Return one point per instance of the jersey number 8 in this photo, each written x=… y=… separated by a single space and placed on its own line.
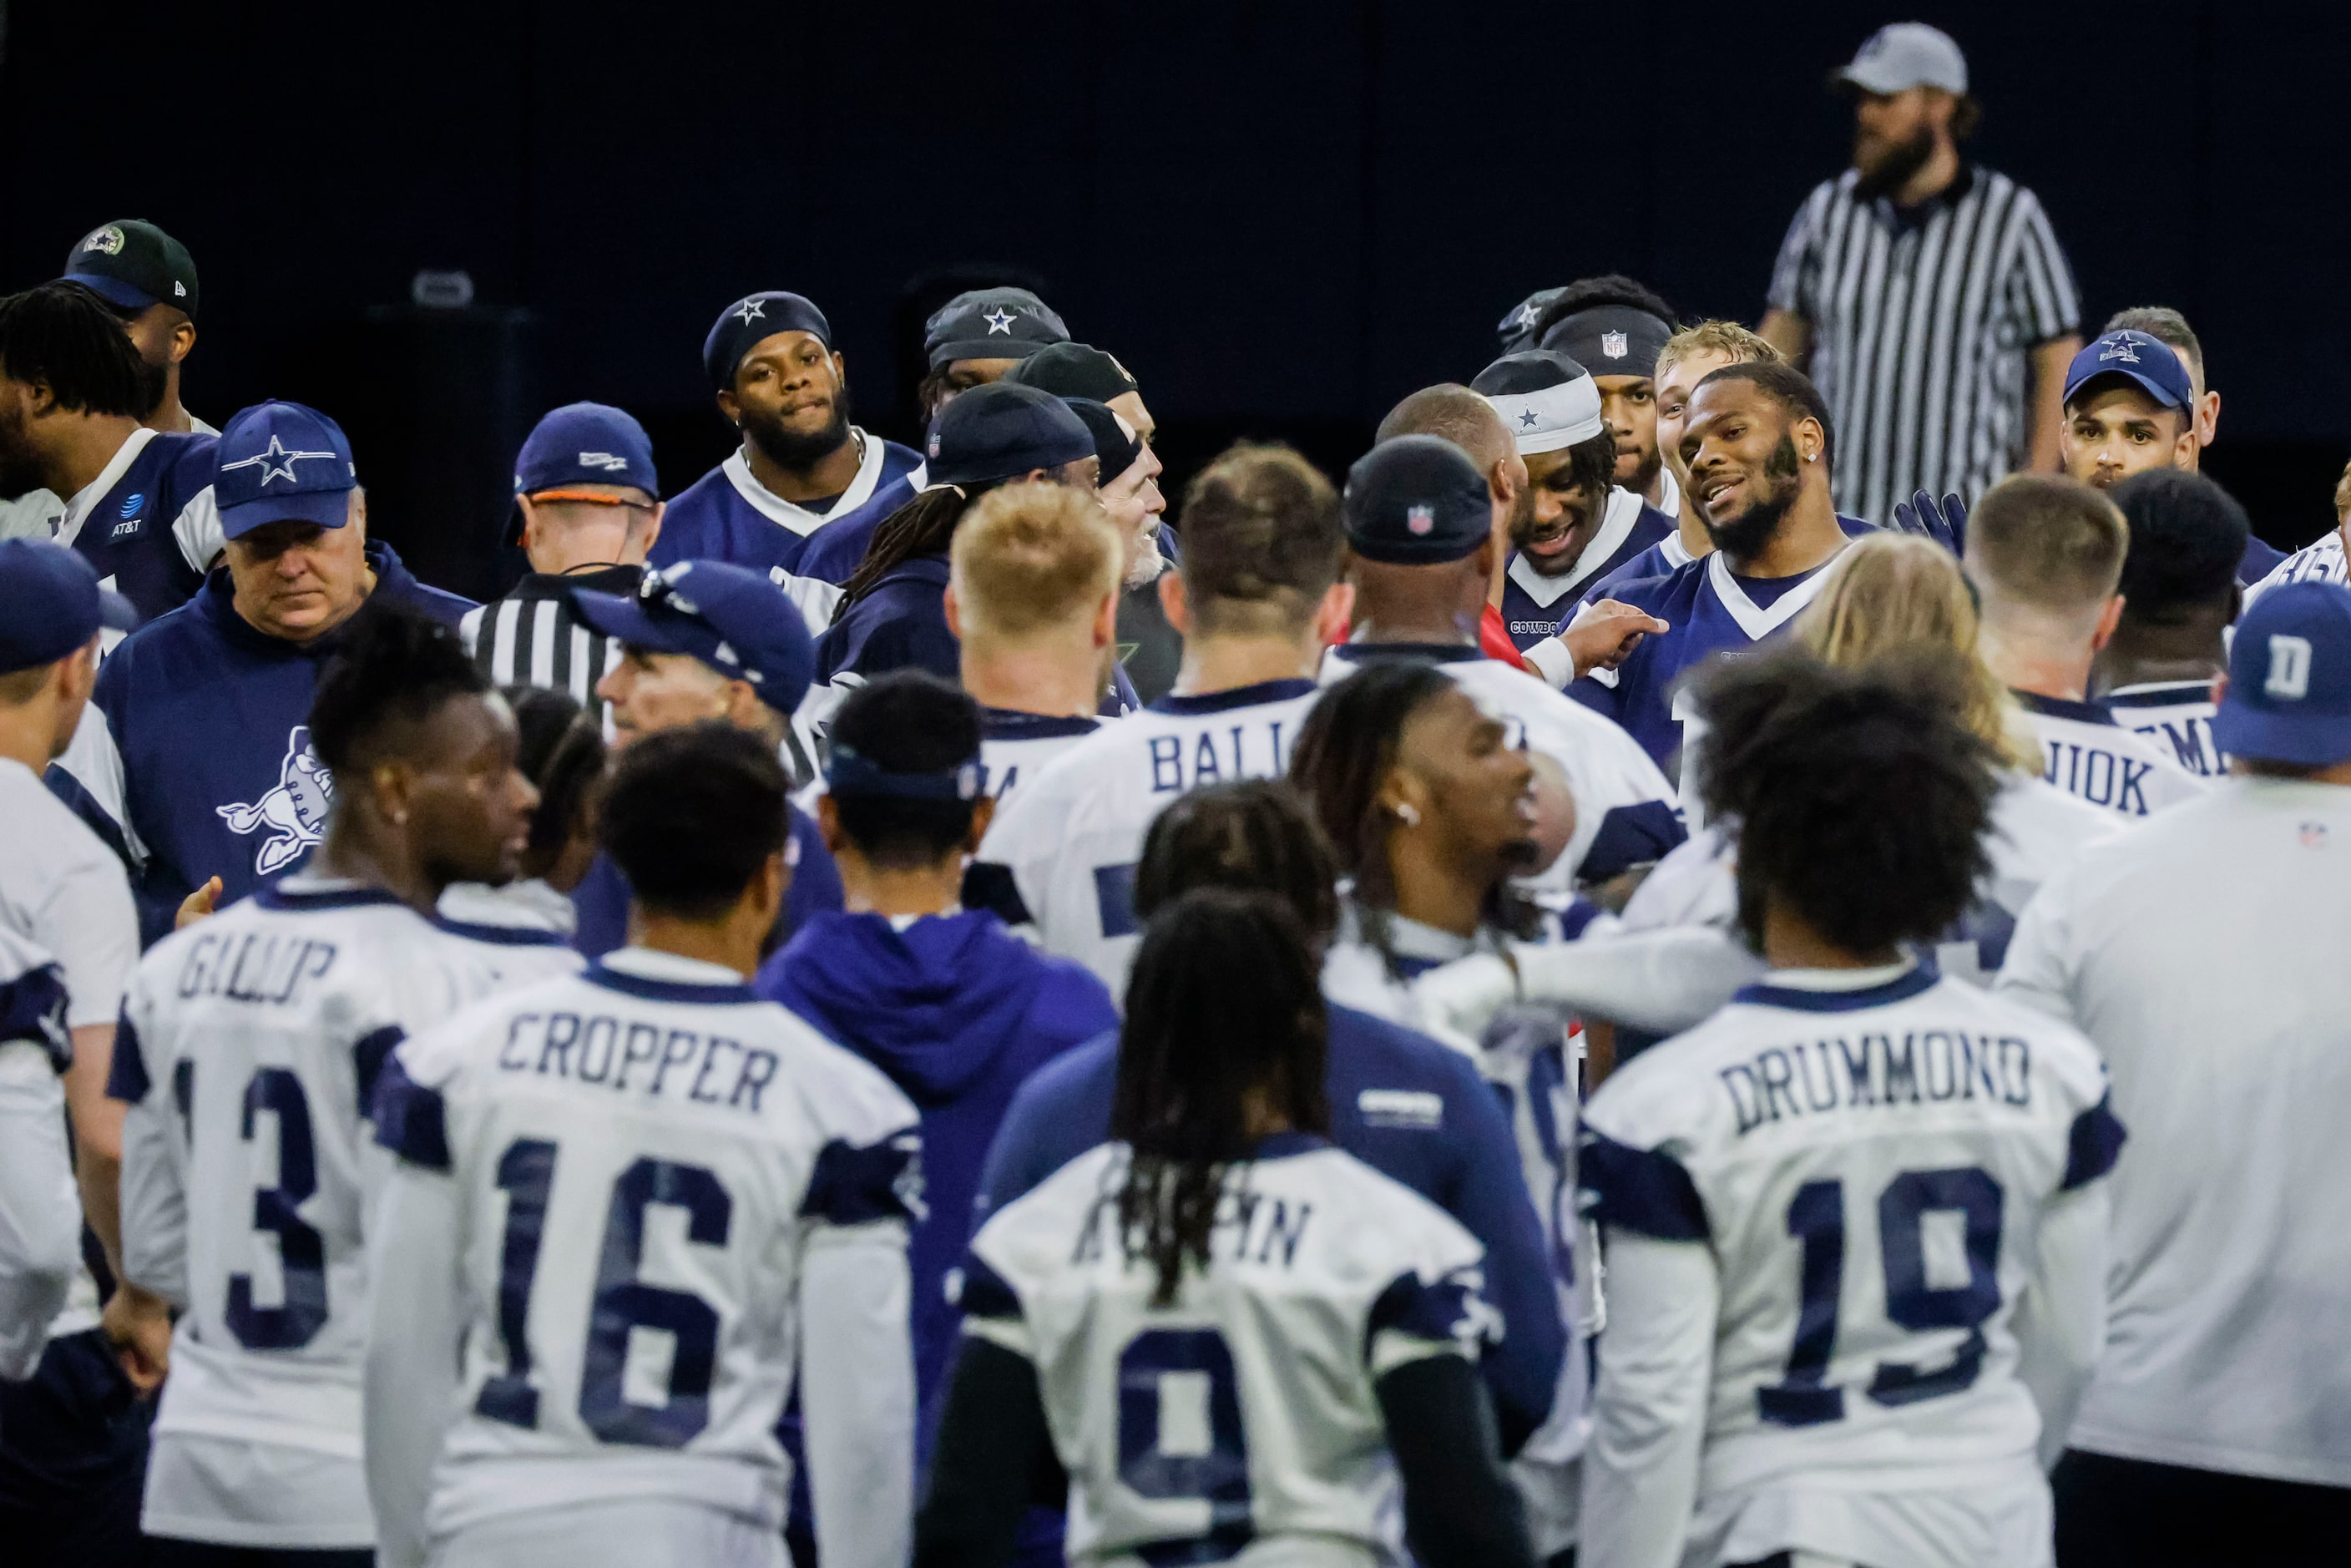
x=1817 y=1219
x=623 y=1303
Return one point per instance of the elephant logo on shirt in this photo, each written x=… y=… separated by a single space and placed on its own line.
x=295 y=811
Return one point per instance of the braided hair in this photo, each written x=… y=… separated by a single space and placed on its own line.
x=1223 y=1016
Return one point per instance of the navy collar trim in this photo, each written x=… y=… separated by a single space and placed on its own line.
x=1282 y=1145
x=503 y=935
x=708 y=995
x=2060 y=708
x=2159 y=694
x=1900 y=988
x=1011 y=724
x=1440 y=652
x=1238 y=697
x=277 y=895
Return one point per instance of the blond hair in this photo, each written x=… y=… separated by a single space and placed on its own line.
x=1728 y=339
x=2049 y=542
x=1889 y=593
x=1031 y=558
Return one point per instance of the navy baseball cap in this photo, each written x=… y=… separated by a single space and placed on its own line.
x=1516 y=330
x=581 y=444
x=1416 y=500
x=133 y=264
x=2146 y=361
x=281 y=460
x=990 y=324
x=1611 y=340
x=752 y=318
x=2289 y=697
x=1117 y=447
x=50 y=604
x=1001 y=432
x=733 y=618
x=1074 y=369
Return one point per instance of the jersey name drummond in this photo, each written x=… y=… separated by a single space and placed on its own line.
x=679 y=1063
x=1182 y=763
x=1922 y=1066
x=255 y=966
x=1250 y=1228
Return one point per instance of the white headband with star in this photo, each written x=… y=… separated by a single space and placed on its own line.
x=1551 y=417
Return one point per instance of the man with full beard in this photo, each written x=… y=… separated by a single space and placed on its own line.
x=802 y=465
x=1938 y=312
x=1758 y=445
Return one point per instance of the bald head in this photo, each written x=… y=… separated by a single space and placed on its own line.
x=1460 y=416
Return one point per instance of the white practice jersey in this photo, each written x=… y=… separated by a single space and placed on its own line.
x=2320 y=562
x=644 y=1166
x=1017 y=746
x=2176 y=718
x=2036 y=829
x=248 y=1054
x=522 y=931
x=1863 y=1162
x=1625 y=810
x=2205 y=954
x=2086 y=753
x=1061 y=853
x=1239 y=1423
x=40 y=1207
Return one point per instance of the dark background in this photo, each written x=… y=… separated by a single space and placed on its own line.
x=1281 y=218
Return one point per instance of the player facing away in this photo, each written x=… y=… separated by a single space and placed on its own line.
x=625 y=1204
x=249 y=1049
x=1257 y=597
x=1854 y=1223
x=1235 y=1338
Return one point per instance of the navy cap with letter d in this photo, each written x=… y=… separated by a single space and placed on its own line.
x=2289 y=697
x=50 y=604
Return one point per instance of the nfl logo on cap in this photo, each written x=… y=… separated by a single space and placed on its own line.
x=1420 y=519
x=1612 y=345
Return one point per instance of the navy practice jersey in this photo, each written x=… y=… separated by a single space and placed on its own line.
x=2260 y=559
x=1413 y=1110
x=147 y=523
x=1666 y=556
x=728 y=515
x=1534 y=606
x=2176 y=717
x=194 y=760
x=1709 y=610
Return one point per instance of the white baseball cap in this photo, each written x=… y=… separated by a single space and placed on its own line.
x=1906 y=55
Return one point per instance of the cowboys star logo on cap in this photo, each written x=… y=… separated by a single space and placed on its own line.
x=107 y=241
x=1612 y=344
x=750 y=311
x=998 y=320
x=2120 y=349
x=1420 y=519
x=276 y=461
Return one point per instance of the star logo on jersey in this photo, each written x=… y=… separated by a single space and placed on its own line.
x=294 y=811
x=750 y=311
x=276 y=460
x=1527 y=419
x=107 y=241
x=1612 y=344
x=1420 y=519
x=998 y=320
x=2121 y=348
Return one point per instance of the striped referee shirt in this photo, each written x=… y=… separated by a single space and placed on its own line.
x=533 y=637
x=1920 y=320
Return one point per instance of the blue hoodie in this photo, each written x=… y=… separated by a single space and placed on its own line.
x=958 y=1011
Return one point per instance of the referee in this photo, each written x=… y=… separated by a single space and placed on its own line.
x=586 y=511
x=1925 y=294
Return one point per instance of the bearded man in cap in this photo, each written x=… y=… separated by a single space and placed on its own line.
x=802 y=469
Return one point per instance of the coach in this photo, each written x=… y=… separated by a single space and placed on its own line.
x=1938 y=313
x=195 y=760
